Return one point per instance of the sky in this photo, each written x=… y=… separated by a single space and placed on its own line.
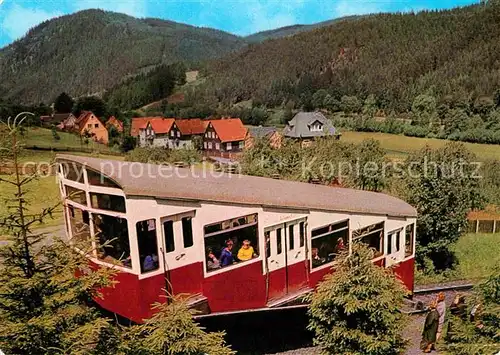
x=241 y=17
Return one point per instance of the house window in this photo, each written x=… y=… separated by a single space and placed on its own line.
x=187 y=232
x=409 y=235
x=228 y=146
x=217 y=146
x=108 y=202
x=328 y=242
x=112 y=236
x=316 y=127
x=241 y=145
x=178 y=134
x=89 y=126
x=96 y=125
x=148 y=245
x=79 y=223
x=236 y=231
x=76 y=195
x=205 y=145
x=209 y=145
x=172 y=134
x=372 y=236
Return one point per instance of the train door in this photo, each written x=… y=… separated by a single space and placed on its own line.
x=286 y=258
x=296 y=266
x=276 y=261
x=394 y=247
x=183 y=270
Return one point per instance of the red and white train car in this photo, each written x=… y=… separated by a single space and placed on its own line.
x=162 y=222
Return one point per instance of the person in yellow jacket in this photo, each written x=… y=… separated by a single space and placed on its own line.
x=246 y=251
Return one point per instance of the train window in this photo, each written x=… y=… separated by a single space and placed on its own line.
x=187 y=232
x=267 y=235
x=231 y=241
x=279 y=247
x=80 y=228
x=72 y=171
x=328 y=242
x=76 y=195
x=302 y=234
x=389 y=243
x=112 y=235
x=108 y=202
x=373 y=237
x=291 y=238
x=148 y=245
x=409 y=234
x=98 y=179
x=168 y=231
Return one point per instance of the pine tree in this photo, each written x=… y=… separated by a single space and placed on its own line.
x=44 y=308
x=483 y=335
x=63 y=103
x=355 y=309
x=172 y=331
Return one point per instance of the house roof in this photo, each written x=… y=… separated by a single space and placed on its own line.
x=191 y=126
x=261 y=132
x=83 y=118
x=56 y=118
x=164 y=182
x=298 y=126
x=139 y=123
x=229 y=129
x=115 y=122
x=161 y=125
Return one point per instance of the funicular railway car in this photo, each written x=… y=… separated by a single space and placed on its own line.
x=230 y=242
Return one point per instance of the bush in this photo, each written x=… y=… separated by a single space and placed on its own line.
x=158 y=155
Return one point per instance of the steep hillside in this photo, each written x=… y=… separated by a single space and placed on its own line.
x=451 y=54
x=91 y=50
x=292 y=30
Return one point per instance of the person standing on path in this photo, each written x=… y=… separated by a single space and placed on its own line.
x=441 y=308
x=430 y=329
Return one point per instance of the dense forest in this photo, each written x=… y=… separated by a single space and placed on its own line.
x=453 y=55
x=92 y=50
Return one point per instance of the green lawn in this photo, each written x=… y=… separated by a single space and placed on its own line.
x=42 y=137
x=477 y=255
x=399 y=146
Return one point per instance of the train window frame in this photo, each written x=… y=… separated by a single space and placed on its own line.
x=410 y=228
x=302 y=234
x=153 y=248
x=94 y=200
x=291 y=237
x=73 y=171
x=377 y=227
x=167 y=249
x=329 y=230
x=189 y=241
x=102 y=181
x=77 y=192
x=231 y=225
x=120 y=262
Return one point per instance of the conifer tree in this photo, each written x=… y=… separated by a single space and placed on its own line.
x=44 y=308
x=172 y=331
x=355 y=309
x=482 y=335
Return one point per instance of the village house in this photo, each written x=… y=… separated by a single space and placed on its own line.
x=57 y=119
x=270 y=134
x=90 y=125
x=305 y=126
x=113 y=122
x=159 y=132
x=224 y=137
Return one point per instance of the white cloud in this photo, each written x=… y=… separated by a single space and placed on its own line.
x=136 y=8
x=18 y=20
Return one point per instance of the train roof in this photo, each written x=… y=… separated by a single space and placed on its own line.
x=166 y=182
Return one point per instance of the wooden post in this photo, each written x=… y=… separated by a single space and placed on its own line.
x=494 y=225
x=477 y=226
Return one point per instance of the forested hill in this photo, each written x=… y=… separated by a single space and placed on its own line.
x=451 y=54
x=91 y=50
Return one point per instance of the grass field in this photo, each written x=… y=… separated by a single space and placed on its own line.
x=42 y=137
x=399 y=146
x=477 y=254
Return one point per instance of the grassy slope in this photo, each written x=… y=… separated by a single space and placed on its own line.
x=400 y=146
x=42 y=137
x=477 y=256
